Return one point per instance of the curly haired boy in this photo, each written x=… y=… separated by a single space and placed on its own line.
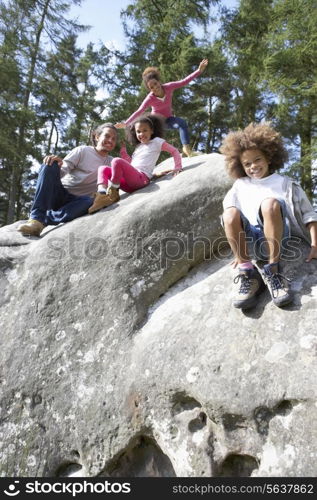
x=261 y=211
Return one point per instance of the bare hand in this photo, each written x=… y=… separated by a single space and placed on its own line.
x=49 y=160
x=164 y=172
x=203 y=64
x=312 y=254
x=120 y=125
x=177 y=172
x=235 y=263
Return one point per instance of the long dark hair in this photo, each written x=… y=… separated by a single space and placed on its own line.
x=156 y=123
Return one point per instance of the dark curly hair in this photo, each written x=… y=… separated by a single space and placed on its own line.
x=156 y=123
x=98 y=131
x=150 y=73
x=255 y=136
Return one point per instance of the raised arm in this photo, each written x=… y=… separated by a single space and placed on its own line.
x=145 y=104
x=181 y=83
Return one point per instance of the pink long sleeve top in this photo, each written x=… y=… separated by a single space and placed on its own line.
x=162 y=105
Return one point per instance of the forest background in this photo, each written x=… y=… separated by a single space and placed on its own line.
x=53 y=92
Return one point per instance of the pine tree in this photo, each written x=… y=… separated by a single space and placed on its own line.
x=25 y=25
x=159 y=34
x=244 y=31
x=291 y=71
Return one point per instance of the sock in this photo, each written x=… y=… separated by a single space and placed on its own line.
x=113 y=185
x=246 y=265
x=102 y=189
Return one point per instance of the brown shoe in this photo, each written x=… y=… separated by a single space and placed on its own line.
x=31 y=228
x=187 y=150
x=103 y=200
x=113 y=193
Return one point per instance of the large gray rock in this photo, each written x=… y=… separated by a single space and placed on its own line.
x=121 y=354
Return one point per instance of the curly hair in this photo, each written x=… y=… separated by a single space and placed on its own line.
x=150 y=73
x=98 y=131
x=255 y=136
x=154 y=121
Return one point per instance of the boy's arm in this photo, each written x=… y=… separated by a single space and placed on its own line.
x=309 y=217
x=312 y=226
x=307 y=211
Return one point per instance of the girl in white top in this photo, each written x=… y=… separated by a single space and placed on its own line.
x=130 y=174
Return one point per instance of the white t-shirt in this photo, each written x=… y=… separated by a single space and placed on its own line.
x=145 y=156
x=247 y=194
x=80 y=168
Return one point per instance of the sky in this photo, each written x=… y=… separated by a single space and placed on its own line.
x=106 y=23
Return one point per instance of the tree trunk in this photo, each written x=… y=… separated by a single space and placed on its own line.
x=209 y=126
x=20 y=153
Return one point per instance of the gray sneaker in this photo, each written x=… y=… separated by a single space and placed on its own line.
x=250 y=286
x=277 y=284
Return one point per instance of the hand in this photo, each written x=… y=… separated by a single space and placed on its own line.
x=312 y=254
x=49 y=160
x=176 y=172
x=120 y=125
x=234 y=263
x=164 y=172
x=203 y=64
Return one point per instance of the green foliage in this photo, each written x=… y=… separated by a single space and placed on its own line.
x=262 y=65
x=291 y=72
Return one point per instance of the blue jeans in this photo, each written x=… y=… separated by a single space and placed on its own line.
x=52 y=202
x=173 y=122
x=255 y=238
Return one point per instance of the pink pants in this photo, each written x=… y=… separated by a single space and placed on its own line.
x=121 y=172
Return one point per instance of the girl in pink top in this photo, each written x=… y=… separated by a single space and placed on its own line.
x=130 y=174
x=160 y=99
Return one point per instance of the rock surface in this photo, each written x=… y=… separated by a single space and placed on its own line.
x=121 y=354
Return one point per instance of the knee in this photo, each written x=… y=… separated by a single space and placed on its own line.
x=87 y=199
x=85 y=203
x=103 y=169
x=116 y=162
x=231 y=216
x=50 y=169
x=270 y=207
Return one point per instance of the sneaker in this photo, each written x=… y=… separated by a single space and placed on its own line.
x=103 y=200
x=250 y=286
x=277 y=284
x=187 y=151
x=31 y=228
